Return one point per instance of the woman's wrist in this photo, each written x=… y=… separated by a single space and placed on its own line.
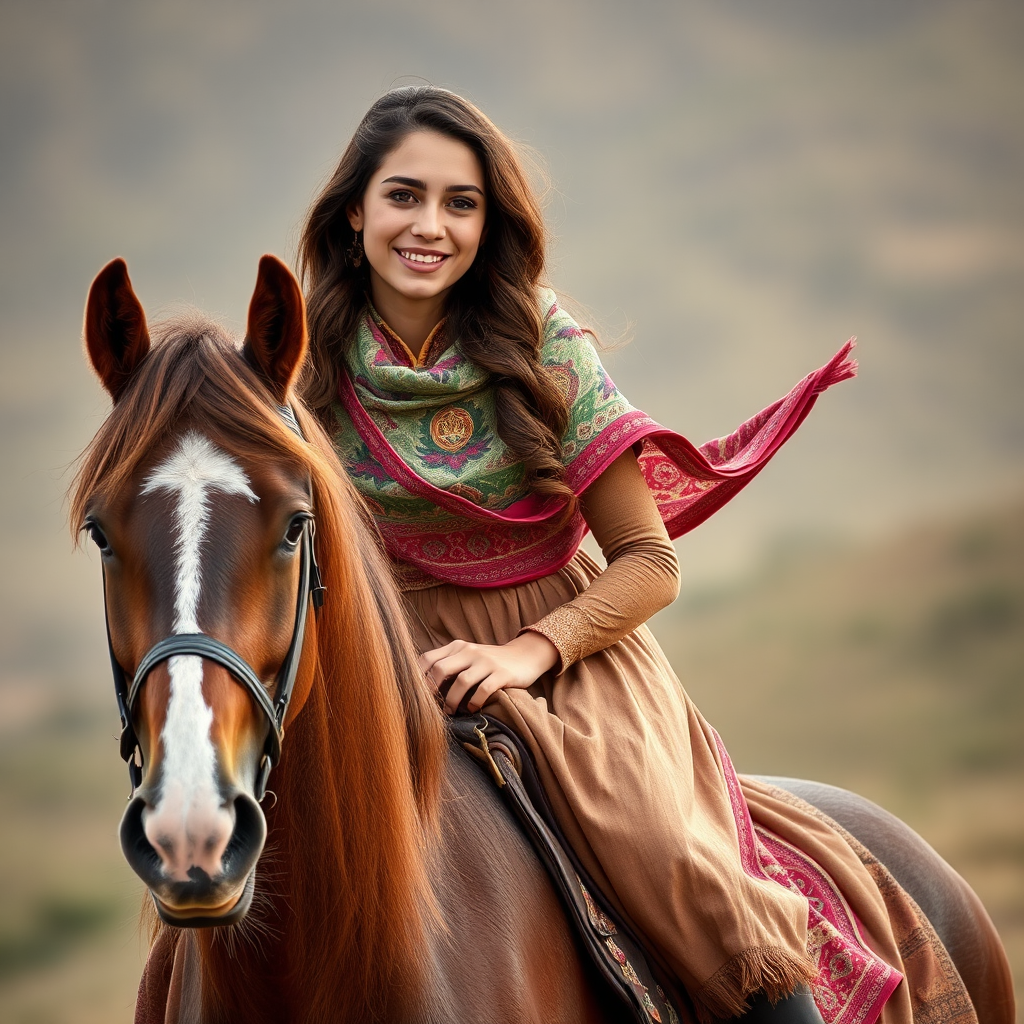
x=536 y=647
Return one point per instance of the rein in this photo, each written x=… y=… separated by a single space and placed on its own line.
x=211 y=649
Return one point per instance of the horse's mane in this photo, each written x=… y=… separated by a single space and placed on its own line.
x=360 y=778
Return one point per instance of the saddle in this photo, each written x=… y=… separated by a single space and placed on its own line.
x=615 y=951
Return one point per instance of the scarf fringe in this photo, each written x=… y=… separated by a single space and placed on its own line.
x=766 y=969
x=837 y=369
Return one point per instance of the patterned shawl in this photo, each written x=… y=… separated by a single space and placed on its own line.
x=420 y=444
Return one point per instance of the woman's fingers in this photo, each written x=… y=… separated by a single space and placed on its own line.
x=450 y=667
x=465 y=682
x=481 y=670
x=428 y=659
x=445 y=662
x=485 y=691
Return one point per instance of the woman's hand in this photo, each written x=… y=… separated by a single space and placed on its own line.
x=485 y=669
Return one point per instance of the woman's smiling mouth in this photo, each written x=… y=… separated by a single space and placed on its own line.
x=422 y=259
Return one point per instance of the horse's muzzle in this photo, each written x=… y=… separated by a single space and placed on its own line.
x=201 y=900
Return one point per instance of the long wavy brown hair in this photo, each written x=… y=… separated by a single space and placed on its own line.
x=493 y=308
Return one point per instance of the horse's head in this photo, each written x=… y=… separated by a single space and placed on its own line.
x=197 y=492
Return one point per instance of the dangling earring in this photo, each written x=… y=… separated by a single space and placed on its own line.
x=355 y=251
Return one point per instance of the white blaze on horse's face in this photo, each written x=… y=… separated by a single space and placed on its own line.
x=190 y=826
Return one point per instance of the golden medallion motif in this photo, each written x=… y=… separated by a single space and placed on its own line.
x=451 y=428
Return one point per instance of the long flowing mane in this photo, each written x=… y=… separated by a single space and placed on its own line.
x=347 y=893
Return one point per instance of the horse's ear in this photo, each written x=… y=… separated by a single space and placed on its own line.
x=116 y=335
x=275 y=335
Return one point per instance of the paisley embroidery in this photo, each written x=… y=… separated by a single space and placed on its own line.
x=606 y=928
x=673 y=1017
x=652 y=1010
x=616 y=951
x=566 y=380
x=633 y=978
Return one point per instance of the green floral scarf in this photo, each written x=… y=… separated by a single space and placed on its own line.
x=421 y=446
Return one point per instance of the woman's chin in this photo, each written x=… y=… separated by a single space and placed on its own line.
x=414 y=285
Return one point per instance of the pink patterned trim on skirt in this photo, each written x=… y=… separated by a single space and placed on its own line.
x=853 y=983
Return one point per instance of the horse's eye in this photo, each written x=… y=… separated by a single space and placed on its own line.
x=295 y=527
x=99 y=538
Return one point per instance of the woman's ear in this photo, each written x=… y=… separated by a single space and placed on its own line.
x=275 y=337
x=116 y=335
x=355 y=216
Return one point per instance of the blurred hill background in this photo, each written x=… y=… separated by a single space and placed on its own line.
x=738 y=186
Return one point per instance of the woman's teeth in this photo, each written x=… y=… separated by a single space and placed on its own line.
x=417 y=257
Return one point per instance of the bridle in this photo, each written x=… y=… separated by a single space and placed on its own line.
x=204 y=646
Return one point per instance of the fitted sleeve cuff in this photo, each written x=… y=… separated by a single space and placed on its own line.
x=568 y=628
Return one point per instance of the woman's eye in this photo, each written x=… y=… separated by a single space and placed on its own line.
x=294 y=532
x=462 y=203
x=401 y=195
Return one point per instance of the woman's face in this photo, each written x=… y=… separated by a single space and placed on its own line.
x=422 y=217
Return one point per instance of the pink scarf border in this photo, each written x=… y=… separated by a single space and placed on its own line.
x=853 y=983
x=691 y=483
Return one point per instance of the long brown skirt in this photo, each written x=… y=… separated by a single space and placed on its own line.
x=636 y=781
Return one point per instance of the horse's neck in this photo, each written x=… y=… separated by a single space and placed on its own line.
x=343 y=927
x=500 y=922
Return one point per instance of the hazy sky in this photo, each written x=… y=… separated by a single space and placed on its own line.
x=745 y=184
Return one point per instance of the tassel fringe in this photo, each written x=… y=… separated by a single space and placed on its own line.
x=764 y=969
x=838 y=368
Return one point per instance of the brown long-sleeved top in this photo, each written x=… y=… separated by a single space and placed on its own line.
x=642 y=575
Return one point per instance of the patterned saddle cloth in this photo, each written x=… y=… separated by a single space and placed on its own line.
x=616 y=952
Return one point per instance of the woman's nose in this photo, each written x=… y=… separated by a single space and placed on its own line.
x=428 y=223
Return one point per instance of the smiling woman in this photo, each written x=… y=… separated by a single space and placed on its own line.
x=461 y=194
x=477 y=422
x=420 y=233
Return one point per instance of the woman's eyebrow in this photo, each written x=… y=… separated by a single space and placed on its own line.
x=411 y=182
x=422 y=185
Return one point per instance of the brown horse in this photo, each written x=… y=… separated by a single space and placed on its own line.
x=385 y=881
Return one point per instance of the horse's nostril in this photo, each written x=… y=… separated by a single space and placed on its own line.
x=249 y=835
x=143 y=858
